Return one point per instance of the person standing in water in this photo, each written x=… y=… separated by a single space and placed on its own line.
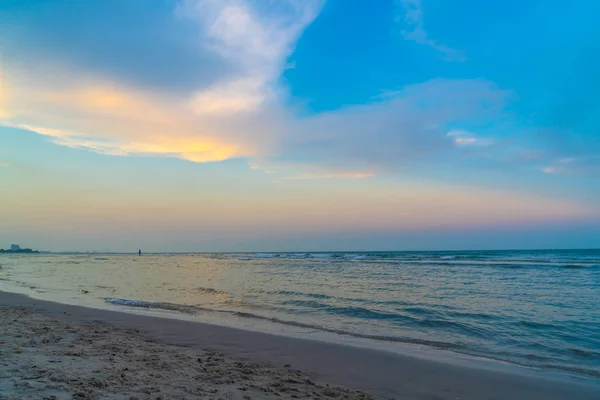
x=139 y=252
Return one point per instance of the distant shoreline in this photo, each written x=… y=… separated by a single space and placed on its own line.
x=204 y=252
x=26 y=251
x=92 y=252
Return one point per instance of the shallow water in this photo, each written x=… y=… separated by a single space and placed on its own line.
x=536 y=308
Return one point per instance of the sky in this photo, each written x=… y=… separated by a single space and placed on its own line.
x=291 y=125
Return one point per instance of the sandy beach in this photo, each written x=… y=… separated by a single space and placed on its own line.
x=56 y=351
x=44 y=357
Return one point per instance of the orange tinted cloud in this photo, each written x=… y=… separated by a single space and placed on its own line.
x=114 y=120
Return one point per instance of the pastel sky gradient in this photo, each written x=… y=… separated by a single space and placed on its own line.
x=223 y=125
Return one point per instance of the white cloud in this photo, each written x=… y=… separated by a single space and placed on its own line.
x=4 y=164
x=242 y=95
x=410 y=13
x=464 y=138
x=573 y=166
x=406 y=127
x=258 y=42
x=396 y=131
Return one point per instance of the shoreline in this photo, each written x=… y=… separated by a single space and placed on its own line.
x=374 y=371
x=268 y=326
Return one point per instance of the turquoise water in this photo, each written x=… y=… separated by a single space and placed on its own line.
x=535 y=308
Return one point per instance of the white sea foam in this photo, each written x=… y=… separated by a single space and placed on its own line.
x=127 y=302
x=355 y=257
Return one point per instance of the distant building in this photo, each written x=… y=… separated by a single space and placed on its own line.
x=15 y=248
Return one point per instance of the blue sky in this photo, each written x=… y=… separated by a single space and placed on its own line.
x=187 y=125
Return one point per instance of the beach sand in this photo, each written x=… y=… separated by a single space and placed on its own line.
x=44 y=357
x=56 y=351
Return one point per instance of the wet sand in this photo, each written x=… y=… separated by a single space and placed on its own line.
x=49 y=349
x=45 y=357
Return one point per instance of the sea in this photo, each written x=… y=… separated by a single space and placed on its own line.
x=539 y=309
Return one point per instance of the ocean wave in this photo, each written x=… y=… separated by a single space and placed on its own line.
x=497 y=264
x=575 y=266
x=421 y=311
x=303 y=294
x=349 y=311
x=584 y=353
x=196 y=310
x=158 y=305
x=320 y=255
x=265 y=255
x=432 y=343
x=298 y=255
x=400 y=258
x=339 y=299
x=476 y=316
x=322 y=296
x=536 y=357
x=537 y=325
x=211 y=291
x=455 y=326
x=577 y=370
x=421 y=317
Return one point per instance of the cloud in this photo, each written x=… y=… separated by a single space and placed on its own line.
x=399 y=129
x=225 y=119
x=396 y=131
x=116 y=120
x=464 y=138
x=138 y=42
x=242 y=95
x=410 y=13
x=560 y=166
x=582 y=165
x=4 y=164
x=257 y=41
